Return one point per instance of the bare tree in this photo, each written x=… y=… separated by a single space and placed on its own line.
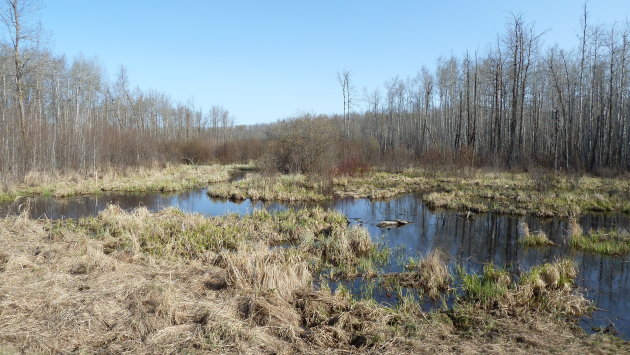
x=22 y=37
x=348 y=92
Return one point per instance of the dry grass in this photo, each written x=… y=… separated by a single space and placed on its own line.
x=574 y=228
x=62 y=294
x=169 y=178
x=97 y=286
x=272 y=188
x=173 y=234
x=476 y=191
x=429 y=275
x=264 y=270
x=524 y=197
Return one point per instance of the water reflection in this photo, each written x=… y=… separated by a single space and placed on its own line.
x=473 y=242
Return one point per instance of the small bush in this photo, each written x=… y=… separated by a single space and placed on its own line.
x=196 y=151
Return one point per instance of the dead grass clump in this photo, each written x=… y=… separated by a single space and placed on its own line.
x=4 y=259
x=294 y=187
x=168 y=233
x=263 y=270
x=430 y=274
x=574 y=228
x=523 y=229
x=359 y=241
x=274 y=313
x=335 y=321
x=299 y=226
x=549 y=288
x=344 y=249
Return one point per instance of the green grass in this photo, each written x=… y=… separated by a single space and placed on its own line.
x=602 y=241
x=487 y=287
x=546 y=289
x=536 y=239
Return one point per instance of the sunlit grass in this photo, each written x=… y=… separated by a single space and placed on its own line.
x=536 y=239
x=475 y=191
x=603 y=241
x=188 y=282
x=169 y=178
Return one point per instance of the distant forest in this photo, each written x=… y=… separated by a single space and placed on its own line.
x=518 y=104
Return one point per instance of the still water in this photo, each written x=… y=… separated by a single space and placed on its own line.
x=472 y=242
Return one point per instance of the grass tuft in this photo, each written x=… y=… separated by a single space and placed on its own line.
x=430 y=274
x=536 y=239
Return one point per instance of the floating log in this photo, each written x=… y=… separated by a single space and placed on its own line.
x=392 y=223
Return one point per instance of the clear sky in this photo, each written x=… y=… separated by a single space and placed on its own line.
x=266 y=60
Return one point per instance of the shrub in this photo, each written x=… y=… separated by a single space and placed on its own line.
x=195 y=151
x=306 y=145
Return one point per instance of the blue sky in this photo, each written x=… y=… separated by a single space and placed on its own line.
x=266 y=60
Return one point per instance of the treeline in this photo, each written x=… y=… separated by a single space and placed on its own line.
x=517 y=104
x=58 y=115
x=514 y=104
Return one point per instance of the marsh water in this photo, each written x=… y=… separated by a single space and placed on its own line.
x=471 y=242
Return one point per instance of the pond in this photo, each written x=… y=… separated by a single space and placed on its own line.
x=472 y=242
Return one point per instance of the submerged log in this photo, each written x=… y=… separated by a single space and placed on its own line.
x=392 y=223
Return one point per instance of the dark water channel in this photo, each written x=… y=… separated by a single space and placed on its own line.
x=472 y=242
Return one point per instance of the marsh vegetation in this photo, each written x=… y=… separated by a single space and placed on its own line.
x=142 y=282
x=465 y=158
x=475 y=191
x=609 y=242
x=157 y=178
